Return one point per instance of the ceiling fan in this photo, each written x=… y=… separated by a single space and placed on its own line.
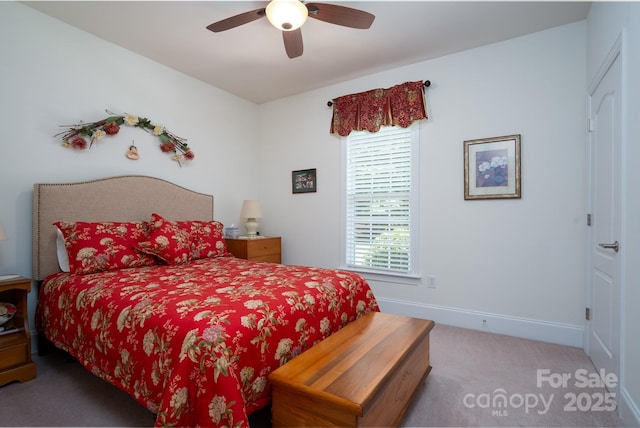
x=289 y=15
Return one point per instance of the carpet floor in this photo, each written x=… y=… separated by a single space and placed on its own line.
x=479 y=379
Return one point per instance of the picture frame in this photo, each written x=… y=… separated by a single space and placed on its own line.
x=304 y=181
x=492 y=168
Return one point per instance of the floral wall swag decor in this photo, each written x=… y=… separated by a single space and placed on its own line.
x=76 y=136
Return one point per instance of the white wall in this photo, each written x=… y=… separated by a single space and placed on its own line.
x=518 y=263
x=53 y=74
x=607 y=22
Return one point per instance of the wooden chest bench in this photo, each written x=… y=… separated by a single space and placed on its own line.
x=363 y=375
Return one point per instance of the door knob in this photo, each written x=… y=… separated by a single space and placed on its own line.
x=615 y=246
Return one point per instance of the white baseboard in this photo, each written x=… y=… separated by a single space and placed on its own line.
x=563 y=334
x=629 y=411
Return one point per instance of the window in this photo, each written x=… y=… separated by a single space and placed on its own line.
x=380 y=201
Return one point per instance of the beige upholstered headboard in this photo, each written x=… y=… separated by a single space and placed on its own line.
x=124 y=198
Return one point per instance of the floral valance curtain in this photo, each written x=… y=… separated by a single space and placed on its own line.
x=399 y=105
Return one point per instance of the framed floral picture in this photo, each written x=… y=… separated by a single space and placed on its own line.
x=304 y=181
x=492 y=168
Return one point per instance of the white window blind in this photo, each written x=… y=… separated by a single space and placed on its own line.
x=378 y=202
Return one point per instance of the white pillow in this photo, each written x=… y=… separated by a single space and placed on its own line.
x=63 y=257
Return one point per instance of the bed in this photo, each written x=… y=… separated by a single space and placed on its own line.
x=191 y=332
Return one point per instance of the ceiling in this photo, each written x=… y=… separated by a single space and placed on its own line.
x=250 y=61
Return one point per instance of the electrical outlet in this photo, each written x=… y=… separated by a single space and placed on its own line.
x=431 y=281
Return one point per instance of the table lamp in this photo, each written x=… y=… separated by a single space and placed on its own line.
x=251 y=210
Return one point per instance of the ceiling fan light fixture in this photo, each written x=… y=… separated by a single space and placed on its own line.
x=286 y=15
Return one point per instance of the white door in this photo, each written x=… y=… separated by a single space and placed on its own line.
x=605 y=247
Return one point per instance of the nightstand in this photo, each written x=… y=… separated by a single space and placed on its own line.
x=15 y=340
x=261 y=249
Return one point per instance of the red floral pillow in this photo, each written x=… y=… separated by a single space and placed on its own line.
x=182 y=241
x=207 y=238
x=167 y=241
x=96 y=247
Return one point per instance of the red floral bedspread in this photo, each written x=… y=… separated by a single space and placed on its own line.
x=195 y=343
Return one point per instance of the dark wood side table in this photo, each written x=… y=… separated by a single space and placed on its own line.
x=15 y=339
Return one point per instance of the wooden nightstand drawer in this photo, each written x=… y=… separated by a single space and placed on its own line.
x=266 y=249
x=13 y=356
x=271 y=258
x=260 y=247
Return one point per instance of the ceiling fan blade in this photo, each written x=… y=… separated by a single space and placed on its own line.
x=293 y=43
x=237 y=20
x=340 y=15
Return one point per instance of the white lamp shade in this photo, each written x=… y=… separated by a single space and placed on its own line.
x=3 y=235
x=287 y=15
x=251 y=209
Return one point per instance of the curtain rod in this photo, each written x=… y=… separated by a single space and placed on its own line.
x=426 y=84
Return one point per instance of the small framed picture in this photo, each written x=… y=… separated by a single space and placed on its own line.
x=492 y=168
x=304 y=181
